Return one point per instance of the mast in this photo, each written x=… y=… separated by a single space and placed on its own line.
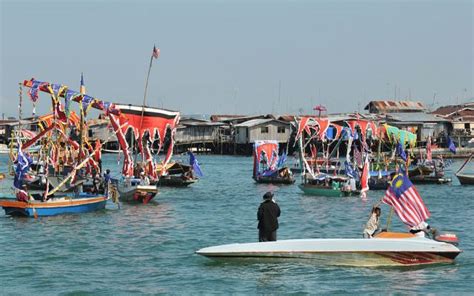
x=155 y=54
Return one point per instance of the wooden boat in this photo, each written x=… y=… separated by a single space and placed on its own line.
x=465 y=179
x=275 y=180
x=130 y=190
x=65 y=204
x=268 y=165
x=175 y=181
x=421 y=179
x=386 y=249
x=330 y=186
x=177 y=175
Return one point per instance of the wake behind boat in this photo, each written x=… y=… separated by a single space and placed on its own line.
x=387 y=249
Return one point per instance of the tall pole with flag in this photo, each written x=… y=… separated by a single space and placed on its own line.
x=154 y=55
x=82 y=91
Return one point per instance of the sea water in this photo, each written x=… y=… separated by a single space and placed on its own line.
x=149 y=249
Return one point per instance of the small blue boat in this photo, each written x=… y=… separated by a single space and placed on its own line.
x=67 y=204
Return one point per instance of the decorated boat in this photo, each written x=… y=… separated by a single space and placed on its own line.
x=57 y=139
x=329 y=185
x=315 y=134
x=178 y=174
x=152 y=129
x=268 y=165
x=57 y=205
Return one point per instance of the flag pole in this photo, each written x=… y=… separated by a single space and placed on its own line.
x=144 y=97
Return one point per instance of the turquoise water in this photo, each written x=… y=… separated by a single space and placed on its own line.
x=150 y=249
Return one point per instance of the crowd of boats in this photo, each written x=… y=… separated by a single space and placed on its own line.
x=64 y=174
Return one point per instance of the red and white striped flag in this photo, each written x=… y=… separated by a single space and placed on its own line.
x=364 y=179
x=406 y=201
x=156 y=52
x=428 y=149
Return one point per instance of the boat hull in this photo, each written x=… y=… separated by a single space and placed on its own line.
x=274 y=180
x=421 y=179
x=345 y=252
x=465 y=179
x=173 y=181
x=329 y=192
x=56 y=206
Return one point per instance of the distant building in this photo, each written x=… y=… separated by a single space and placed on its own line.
x=460 y=116
x=198 y=134
x=261 y=129
x=394 y=107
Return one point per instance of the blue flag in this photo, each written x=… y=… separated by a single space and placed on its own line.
x=195 y=164
x=451 y=145
x=282 y=160
x=23 y=163
x=400 y=152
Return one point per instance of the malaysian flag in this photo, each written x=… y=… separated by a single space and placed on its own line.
x=156 y=52
x=406 y=201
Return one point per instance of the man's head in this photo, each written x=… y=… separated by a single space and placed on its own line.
x=268 y=195
x=107 y=171
x=377 y=211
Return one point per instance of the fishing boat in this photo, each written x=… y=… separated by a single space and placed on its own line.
x=386 y=249
x=465 y=179
x=329 y=185
x=131 y=190
x=177 y=175
x=268 y=165
x=422 y=179
x=152 y=128
x=55 y=139
x=319 y=133
x=58 y=205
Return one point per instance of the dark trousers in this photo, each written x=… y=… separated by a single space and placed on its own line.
x=267 y=236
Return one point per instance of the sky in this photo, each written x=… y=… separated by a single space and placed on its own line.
x=241 y=57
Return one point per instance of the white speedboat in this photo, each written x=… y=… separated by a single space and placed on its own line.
x=387 y=249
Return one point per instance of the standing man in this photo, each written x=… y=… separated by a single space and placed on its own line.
x=267 y=216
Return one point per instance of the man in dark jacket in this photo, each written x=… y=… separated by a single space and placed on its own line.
x=267 y=216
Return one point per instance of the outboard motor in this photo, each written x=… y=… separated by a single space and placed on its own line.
x=449 y=238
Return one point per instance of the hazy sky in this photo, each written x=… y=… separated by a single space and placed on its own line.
x=230 y=56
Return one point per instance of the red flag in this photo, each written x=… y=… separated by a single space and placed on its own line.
x=364 y=179
x=320 y=108
x=428 y=149
x=97 y=152
x=156 y=52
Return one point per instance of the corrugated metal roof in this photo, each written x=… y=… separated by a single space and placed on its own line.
x=258 y=121
x=414 y=117
x=390 y=106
